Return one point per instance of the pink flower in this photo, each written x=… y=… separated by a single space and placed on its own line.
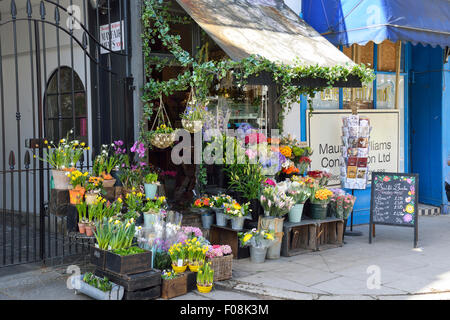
x=251 y=153
x=270 y=182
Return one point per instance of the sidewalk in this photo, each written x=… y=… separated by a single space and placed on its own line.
x=342 y=273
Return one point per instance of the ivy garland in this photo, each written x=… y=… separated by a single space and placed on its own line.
x=202 y=75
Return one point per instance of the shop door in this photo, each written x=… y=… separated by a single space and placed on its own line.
x=426 y=122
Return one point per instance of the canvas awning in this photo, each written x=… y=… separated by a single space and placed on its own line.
x=347 y=22
x=268 y=28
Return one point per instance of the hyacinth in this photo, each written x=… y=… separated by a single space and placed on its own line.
x=255 y=138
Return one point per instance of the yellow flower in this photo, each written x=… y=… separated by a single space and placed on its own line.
x=247 y=237
x=410 y=208
x=269 y=236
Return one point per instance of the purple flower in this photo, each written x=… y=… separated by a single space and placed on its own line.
x=407 y=218
x=139 y=148
x=118 y=143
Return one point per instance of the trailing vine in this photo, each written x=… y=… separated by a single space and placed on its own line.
x=202 y=74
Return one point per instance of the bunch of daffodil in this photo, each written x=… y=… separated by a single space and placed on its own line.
x=123 y=234
x=196 y=252
x=155 y=205
x=134 y=201
x=257 y=238
x=178 y=254
x=103 y=233
x=205 y=275
x=97 y=209
x=113 y=209
x=77 y=178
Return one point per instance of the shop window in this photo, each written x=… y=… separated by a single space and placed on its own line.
x=59 y=117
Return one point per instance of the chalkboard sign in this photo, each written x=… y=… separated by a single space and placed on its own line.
x=394 y=201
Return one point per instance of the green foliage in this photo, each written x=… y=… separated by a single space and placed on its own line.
x=201 y=74
x=162 y=260
x=246 y=179
x=103 y=284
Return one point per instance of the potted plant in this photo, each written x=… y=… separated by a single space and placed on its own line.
x=134 y=202
x=82 y=211
x=195 y=114
x=205 y=278
x=173 y=284
x=202 y=205
x=259 y=241
x=221 y=259
x=276 y=205
x=97 y=288
x=95 y=213
x=151 y=209
x=218 y=205
x=93 y=189
x=300 y=193
x=196 y=254
x=320 y=197
x=151 y=185
x=77 y=181
x=120 y=153
x=237 y=214
x=178 y=255
x=162 y=137
x=63 y=158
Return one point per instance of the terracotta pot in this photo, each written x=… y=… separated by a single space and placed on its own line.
x=82 y=228
x=89 y=231
x=109 y=183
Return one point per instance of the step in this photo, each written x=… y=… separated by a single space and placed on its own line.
x=427 y=210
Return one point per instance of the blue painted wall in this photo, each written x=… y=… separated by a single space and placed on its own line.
x=446 y=131
x=426 y=119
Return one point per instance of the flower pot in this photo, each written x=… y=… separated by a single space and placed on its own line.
x=192 y=126
x=258 y=255
x=78 y=284
x=203 y=289
x=116 y=175
x=237 y=223
x=149 y=219
x=109 y=183
x=174 y=287
x=179 y=269
x=130 y=264
x=207 y=220
x=60 y=179
x=221 y=218
x=90 y=198
x=163 y=140
x=89 y=231
x=150 y=190
x=319 y=211
x=76 y=195
x=276 y=225
x=82 y=228
x=194 y=267
x=295 y=215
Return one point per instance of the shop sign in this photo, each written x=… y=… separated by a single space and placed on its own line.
x=117 y=43
x=324 y=134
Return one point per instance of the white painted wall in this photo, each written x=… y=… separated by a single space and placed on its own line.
x=28 y=125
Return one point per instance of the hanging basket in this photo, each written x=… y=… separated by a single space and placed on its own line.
x=163 y=140
x=192 y=126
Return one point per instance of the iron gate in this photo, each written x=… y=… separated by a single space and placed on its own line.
x=63 y=65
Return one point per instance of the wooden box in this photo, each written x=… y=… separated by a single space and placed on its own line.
x=191 y=280
x=98 y=257
x=228 y=236
x=133 y=282
x=131 y=264
x=330 y=233
x=299 y=238
x=144 y=294
x=175 y=287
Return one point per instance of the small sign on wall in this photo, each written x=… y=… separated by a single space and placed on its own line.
x=117 y=41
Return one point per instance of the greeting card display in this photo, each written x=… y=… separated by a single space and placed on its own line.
x=355 y=152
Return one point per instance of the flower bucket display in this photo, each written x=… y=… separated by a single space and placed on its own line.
x=60 y=179
x=237 y=223
x=319 y=211
x=207 y=219
x=149 y=219
x=295 y=214
x=275 y=225
x=258 y=255
x=221 y=218
x=192 y=126
x=150 y=190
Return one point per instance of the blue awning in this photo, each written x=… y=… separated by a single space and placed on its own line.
x=345 y=22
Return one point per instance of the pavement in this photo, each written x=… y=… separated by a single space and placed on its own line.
x=389 y=268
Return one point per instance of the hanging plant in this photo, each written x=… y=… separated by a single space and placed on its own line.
x=195 y=114
x=162 y=135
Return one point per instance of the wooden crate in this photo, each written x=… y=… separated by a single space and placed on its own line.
x=144 y=294
x=228 y=236
x=98 y=257
x=330 y=233
x=191 y=280
x=136 y=263
x=133 y=282
x=299 y=238
x=174 y=288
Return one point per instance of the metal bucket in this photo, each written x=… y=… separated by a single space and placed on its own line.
x=258 y=255
x=295 y=215
x=237 y=223
x=221 y=218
